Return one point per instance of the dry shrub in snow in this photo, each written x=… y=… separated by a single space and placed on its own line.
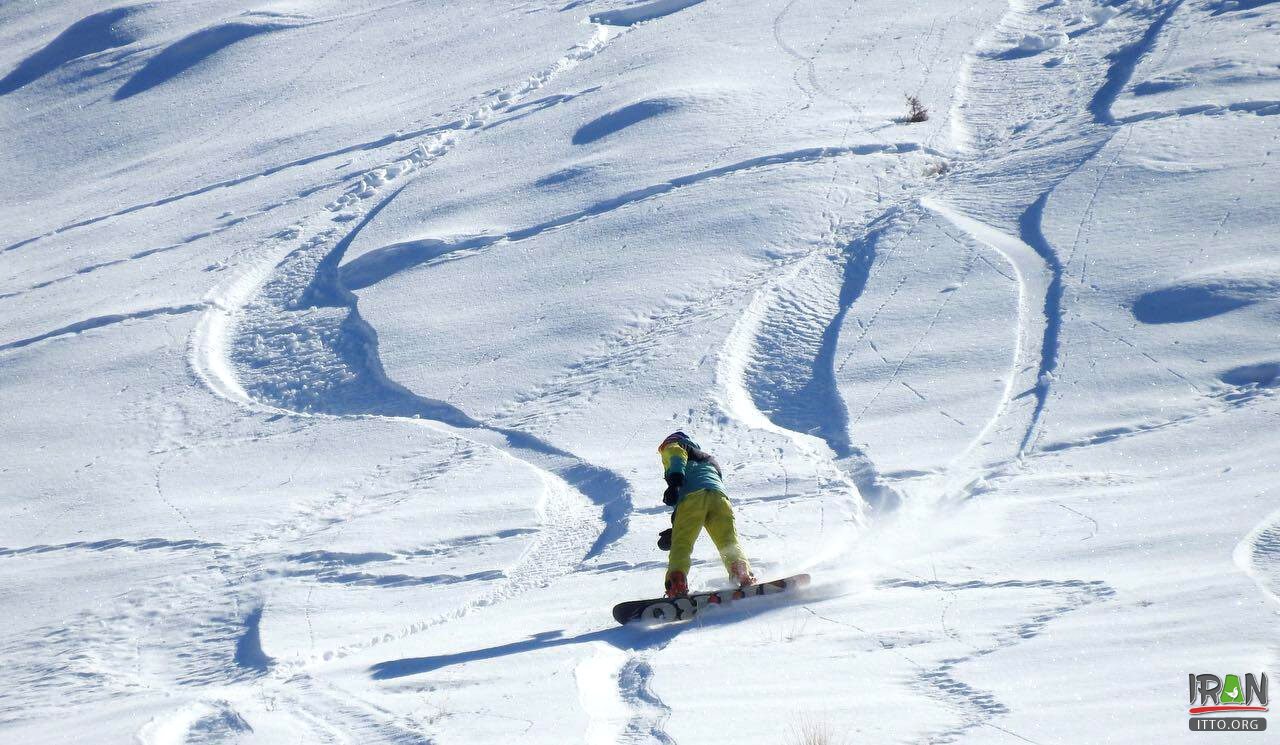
x=813 y=732
x=916 y=112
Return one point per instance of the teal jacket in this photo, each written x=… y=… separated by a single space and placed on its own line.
x=698 y=475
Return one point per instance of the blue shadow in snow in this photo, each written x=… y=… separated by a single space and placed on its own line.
x=1262 y=375
x=1237 y=6
x=1031 y=232
x=1123 y=62
x=628 y=638
x=562 y=176
x=1187 y=303
x=89 y=35
x=371 y=268
x=624 y=117
x=188 y=52
x=817 y=407
x=605 y=488
x=639 y=13
x=1018 y=53
x=529 y=108
x=622 y=637
x=1152 y=87
x=249 y=654
x=371 y=391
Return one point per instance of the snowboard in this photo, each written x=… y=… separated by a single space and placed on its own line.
x=666 y=610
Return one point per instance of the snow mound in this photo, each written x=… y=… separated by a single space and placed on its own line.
x=1203 y=297
x=1042 y=42
x=619 y=119
x=1261 y=374
x=89 y=35
x=190 y=51
x=634 y=14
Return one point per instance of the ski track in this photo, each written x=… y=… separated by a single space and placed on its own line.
x=189 y=240
x=253 y=356
x=1258 y=555
x=801 y=313
x=1037 y=306
x=980 y=707
x=1019 y=238
x=650 y=713
x=973 y=706
x=1036 y=355
x=379 y=264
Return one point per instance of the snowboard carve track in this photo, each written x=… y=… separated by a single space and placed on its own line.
x=1039 y=275
x=977 y=114
x=1258 y=555
x=794 y=308
x=297 y=288
x=379 y=264
x=1032 y=328
x=225 y=648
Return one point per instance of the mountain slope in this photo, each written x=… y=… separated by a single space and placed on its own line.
x=338 y=337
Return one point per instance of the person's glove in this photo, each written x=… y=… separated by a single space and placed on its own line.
x=664 y=540
x=672 y=494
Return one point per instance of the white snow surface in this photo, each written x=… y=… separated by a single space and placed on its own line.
x=336 y=339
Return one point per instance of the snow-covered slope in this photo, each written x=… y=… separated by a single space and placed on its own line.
x=336 y=339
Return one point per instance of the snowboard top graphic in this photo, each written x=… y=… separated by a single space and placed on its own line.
x=666 y=610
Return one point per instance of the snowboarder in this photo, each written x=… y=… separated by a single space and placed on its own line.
x=695 y=487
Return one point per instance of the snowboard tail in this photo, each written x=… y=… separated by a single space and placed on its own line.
x=666 y=610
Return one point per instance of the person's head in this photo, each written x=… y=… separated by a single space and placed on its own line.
x=695 y=453
x=676 y=436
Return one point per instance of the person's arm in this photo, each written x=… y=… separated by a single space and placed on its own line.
x=674 y=459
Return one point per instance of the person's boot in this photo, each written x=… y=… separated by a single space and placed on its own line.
x=677 y=584
x=741 y=572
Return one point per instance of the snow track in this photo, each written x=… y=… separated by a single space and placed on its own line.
x=287 y=336
x=1259 y=556
x=1033 y=353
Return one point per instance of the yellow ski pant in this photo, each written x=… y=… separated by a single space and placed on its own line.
x=704 y=508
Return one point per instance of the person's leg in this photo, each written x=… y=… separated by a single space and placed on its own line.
x=689 y=518
x=721 y=528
